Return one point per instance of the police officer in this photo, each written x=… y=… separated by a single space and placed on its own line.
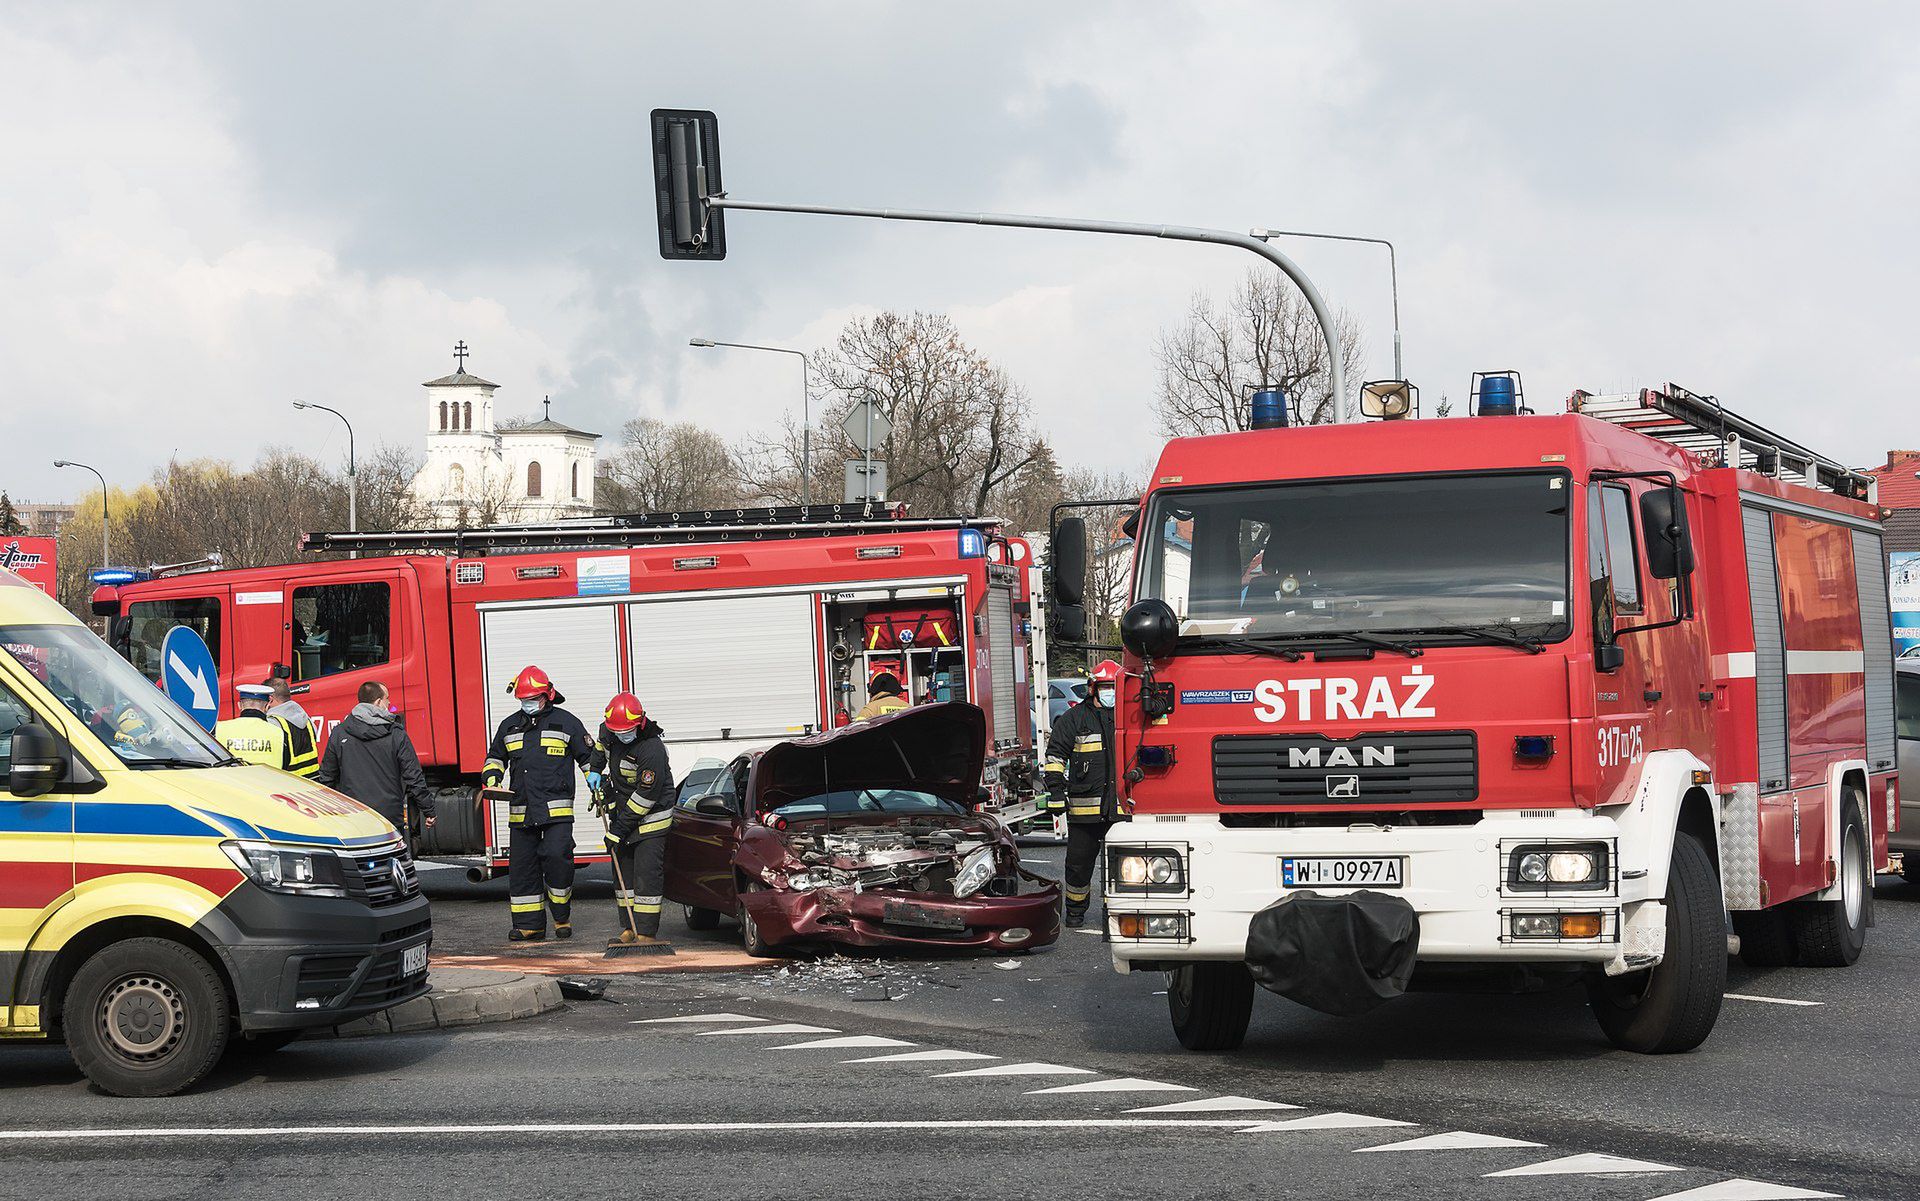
x=256 y=735
x=536 y=750
x=306 y=756
x=1080 y=780
x=639 y=799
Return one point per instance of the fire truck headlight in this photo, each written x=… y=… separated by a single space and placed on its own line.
x=1146 y=870
x=1579 y=866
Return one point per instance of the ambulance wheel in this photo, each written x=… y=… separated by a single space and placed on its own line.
x=1210 y=1004
x=702 y=919
x=1832 y=933
x=146 y=1018
x=1672 y=1007
x=1766 y=940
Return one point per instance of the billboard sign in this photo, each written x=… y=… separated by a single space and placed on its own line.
x=32 y=559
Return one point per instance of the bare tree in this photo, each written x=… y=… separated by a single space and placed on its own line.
x=669 y=467
x=1110 y=553
x=1265 y=335
x=387 y=498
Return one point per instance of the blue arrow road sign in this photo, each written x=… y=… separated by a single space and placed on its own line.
x=188 y=676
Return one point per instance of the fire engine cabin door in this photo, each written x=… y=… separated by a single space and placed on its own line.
x=726 y=673
x=578 y=646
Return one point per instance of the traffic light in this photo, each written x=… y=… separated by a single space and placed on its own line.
x=686 y=170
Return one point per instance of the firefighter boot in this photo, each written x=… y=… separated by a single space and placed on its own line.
x=518 y=935
x=562 y=930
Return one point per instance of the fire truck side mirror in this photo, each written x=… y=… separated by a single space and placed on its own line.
x=1069 y=554
x=1070 y=623
x=1609 y=657
x=1663 y=523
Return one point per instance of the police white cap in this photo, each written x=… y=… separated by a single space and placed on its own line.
x=256 y=692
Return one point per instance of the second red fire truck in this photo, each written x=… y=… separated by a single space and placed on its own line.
x=1578 y=698
x=735 y=629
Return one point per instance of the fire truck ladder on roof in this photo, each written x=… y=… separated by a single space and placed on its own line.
x=1702 y=425
x=648 y=529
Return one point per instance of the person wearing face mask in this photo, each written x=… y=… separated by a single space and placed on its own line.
x=534 y=751
x=639 y=799
x=1080 y=781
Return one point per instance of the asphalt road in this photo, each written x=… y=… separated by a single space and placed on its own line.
x=601 y=1100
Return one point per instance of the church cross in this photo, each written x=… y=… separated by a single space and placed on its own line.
x=546 y=405
x=460 y=356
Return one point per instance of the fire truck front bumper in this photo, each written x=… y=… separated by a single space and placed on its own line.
x=1506 y=890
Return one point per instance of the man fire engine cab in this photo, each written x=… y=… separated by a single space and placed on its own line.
x=161 y=899
x=535 y=751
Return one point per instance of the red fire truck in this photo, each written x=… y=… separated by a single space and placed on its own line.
x=735 y=629
x=1589 y=697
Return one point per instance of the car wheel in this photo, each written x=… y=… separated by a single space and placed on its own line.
x=701 y=919
x=750 y=937
x=1210 y=1004
x=1672 y=1007
x=146 y=1018
x=1766 y=940
x=1832 y=933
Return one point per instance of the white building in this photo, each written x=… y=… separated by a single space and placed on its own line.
x=479 y=472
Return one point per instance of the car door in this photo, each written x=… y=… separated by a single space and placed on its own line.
x=701 y=840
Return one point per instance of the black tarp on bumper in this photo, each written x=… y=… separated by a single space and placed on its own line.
x=1341 y=955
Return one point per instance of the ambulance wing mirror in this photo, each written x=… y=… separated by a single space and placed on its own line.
x=1663 y=523
x=38 y=762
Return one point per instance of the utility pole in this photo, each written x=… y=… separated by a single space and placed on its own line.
x=106 y=554
x=806 y=406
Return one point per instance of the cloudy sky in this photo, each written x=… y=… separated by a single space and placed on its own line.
x=213 y=209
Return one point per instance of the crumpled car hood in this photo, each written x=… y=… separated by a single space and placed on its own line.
x=937 y=749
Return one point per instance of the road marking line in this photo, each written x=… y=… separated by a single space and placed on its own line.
x=1452 y=1140
x=921 y=1057
x=1124 y=1084
x=848 y=1041
x=1743 y=1190
x=1325 y=1121
x=696 y=1017
x=1213 y=1105
x=1021 y=1069
x=337 y=1132
x=776 y=1028
x=1587 y=1165
x=1736 y=996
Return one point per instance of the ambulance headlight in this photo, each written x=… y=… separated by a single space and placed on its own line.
x=305 y=871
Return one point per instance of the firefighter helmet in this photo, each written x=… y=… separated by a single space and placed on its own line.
x=625 y=712
x=532 y=682
x=1108 y=672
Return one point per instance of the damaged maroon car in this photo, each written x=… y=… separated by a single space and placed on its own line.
x=863 y=836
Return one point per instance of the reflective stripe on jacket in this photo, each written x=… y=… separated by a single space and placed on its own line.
x=536 y=755
x=638 y=781
x=1079 y=764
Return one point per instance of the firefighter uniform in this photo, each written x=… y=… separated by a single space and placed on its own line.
x=1080 y=780
x=639 y=795
x=536 y=753
x=259 y=737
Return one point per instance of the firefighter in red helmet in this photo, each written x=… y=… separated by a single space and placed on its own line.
x=534 y=751
x=1080 y=780
x=639 y=799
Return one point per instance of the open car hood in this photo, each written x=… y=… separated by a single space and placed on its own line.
x=936 y=749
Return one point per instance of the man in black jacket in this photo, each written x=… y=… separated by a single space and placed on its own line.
x=639 y=799
x=1080 y=781
x=371 y=759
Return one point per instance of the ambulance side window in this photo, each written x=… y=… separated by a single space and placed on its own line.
x=13 y=714
x=340 y=627
x=1621 y=559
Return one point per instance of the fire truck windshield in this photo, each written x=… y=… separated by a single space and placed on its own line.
x=1434 y=558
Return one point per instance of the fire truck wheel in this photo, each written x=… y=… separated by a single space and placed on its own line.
x=1210 y=1004
x=146 y=1017
x=1832 y=933
x=702 y=919
x=1766 y=940
x=1672 y=1007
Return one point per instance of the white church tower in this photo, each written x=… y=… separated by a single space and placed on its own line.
x=479 y=473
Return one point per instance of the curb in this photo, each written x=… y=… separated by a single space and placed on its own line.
x=463 y=996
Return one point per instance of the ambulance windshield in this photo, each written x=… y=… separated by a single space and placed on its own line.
x=1431 y=557
x=122 y=708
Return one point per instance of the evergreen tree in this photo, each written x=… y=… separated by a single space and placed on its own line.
x=10 y=522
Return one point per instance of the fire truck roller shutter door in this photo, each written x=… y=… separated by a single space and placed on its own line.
x=578 y=646
x=1770 y=658
x=745 y=663
x=1876 y=626
x=1006 y=718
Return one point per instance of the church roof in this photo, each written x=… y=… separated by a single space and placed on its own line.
x=546 y=426
x=460 y=379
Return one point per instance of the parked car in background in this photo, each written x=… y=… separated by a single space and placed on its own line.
x=1064 y=694
x=862 y=836
x=1906 y=710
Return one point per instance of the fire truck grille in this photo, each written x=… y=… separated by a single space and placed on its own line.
x=1373 y=770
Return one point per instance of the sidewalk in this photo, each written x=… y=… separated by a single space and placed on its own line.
x=461 y=996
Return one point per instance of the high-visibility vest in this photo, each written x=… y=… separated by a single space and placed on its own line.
x=258 y=738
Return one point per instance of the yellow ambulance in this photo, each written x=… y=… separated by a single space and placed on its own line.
x=161 y=901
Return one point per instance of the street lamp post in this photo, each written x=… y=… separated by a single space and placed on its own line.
x=806 y=407
x=1393 y=274
x=106 y=556
x=353 y=486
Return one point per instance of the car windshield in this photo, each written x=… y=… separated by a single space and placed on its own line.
x=865 y=800
x=122 y=708
x=1428 y=554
